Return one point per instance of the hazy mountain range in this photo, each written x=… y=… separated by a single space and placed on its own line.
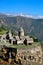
x=32 y=26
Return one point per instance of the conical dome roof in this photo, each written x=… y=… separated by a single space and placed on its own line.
x=21 y=29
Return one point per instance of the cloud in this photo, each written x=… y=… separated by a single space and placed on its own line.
x=24 y=15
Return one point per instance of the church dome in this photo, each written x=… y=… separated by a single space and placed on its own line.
x=21 y=29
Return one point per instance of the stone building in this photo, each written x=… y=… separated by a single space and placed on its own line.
x=3 y=38
x=22 y=39
x=18 y=39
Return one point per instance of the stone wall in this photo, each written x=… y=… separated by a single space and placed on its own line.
x=26 y=56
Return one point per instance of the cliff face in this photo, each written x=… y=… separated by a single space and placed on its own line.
x=30 y=56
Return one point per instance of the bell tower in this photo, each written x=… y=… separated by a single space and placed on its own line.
x=21 y=32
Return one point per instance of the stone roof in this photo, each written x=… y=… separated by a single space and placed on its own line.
x=28 y=38
x=17 y=37
x=21 y=29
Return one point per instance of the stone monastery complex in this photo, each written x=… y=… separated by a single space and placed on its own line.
x=18 y=39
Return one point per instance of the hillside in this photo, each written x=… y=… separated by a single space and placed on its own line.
x=31 y=26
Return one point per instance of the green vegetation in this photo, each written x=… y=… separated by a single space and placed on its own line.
x=3 y=29
x=3 y=32
x=21 y=46
x=34 y=38
x=6 y=63
x=25 y=46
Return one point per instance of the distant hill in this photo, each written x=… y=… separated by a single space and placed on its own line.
x=31 y=26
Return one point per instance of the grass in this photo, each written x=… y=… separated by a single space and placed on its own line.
x=3 y=32
x=20 y=46
x=25 y=46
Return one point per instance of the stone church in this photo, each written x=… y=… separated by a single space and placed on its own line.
x=21 y=38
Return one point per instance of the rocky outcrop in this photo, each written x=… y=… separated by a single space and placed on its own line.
x=23 y=56
x=26 y=56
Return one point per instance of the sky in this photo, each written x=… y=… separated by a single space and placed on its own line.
x=30 y=7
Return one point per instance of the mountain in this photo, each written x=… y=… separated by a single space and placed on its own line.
x=32 y=26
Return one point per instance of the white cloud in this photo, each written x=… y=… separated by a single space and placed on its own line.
x=25 y=15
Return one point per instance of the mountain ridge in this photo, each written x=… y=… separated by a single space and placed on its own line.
x=30 y=25
x=23 y=15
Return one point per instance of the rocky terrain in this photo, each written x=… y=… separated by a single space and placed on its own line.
x=24 y=55
x=30 y=56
